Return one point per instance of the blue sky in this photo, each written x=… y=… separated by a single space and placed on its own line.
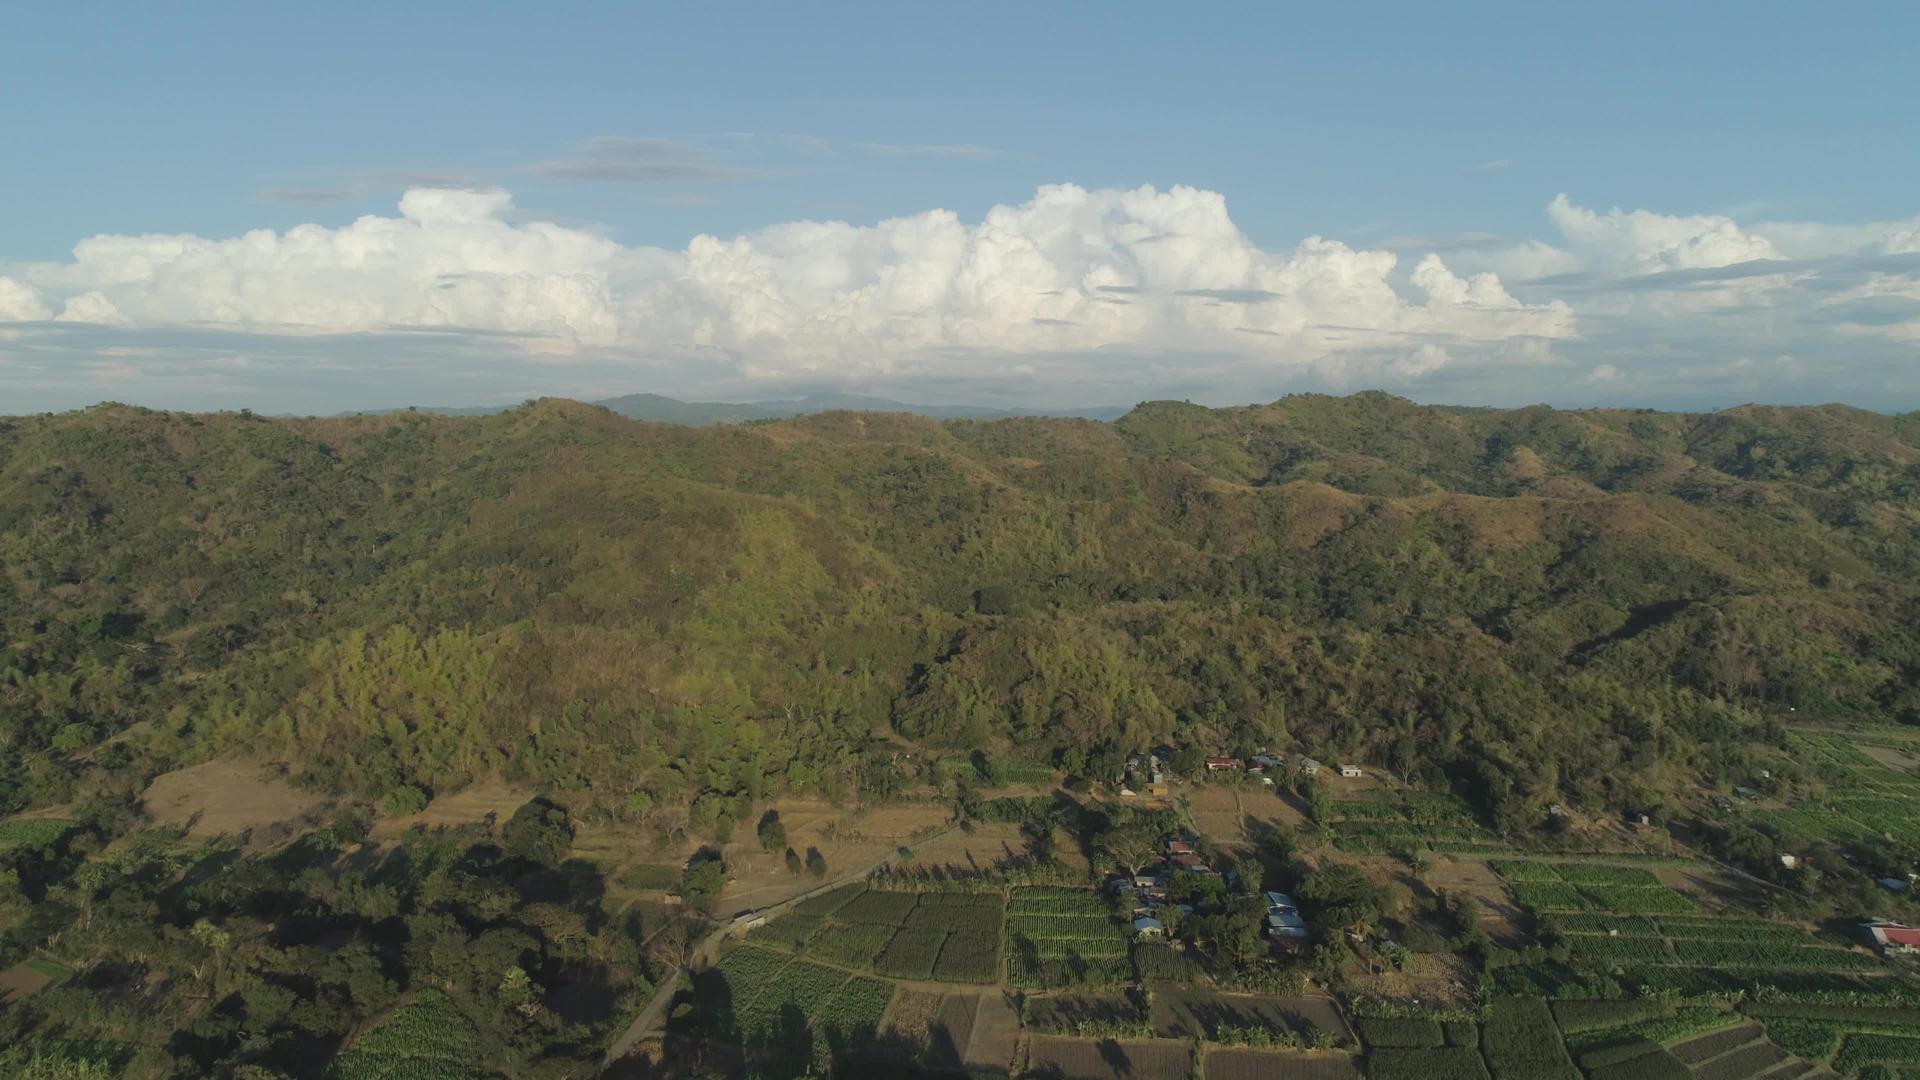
x=1745 y=132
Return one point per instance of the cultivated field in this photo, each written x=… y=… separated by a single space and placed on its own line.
x=1109 y=1059
x=1184 y=1015
x=1240 y=1064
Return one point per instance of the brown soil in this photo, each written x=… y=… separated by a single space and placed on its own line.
x=1219 y=810
x=954 y=1023
x=1501 y=917
x=910 y=1016
x=1271 y=1064
x=849 y=839
x=20 y=981
x=1439 y=979
x=231 y=796
x=996 y=1032
x=1710 y=886
x=1181 y=1016
x=1108 y=1059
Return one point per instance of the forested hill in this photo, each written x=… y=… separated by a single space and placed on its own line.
x=1601 y=607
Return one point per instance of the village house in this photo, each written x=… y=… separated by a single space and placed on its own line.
x=1893 y=938
x=1351 y=772
x=1284 y=923
x=1308 y=766
x=1223 y=764
x=1148 y=928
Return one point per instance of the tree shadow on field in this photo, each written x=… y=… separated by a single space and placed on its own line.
x=1115 y=1057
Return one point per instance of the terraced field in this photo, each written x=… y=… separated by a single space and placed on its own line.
x=942 y=937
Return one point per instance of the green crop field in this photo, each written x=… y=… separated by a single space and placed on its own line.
x=1405 y=1032
x=969 y=956
x=1595 y=948
x=1816 y=1032
x=1859 y=1051
x=1574 y=1017
x=1725 y=954
x=427 y=1039
x=878 y=908
x=1426 y=1063
x=984 y=916
x=1520 y=1042
x=1059 y=936
x=851 y=945
x=1055 y=900
x=1157 y=963
x=910 y=954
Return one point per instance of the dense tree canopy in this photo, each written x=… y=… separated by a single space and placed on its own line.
x=1528 y=605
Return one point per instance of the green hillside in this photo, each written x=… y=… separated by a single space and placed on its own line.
x=659 y=629
x=1601 y=607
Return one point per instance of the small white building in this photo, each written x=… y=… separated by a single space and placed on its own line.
x=1351 y=772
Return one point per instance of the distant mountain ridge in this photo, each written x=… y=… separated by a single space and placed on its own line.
x=665 y=410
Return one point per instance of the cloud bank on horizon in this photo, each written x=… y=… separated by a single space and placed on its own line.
x=1074 y=296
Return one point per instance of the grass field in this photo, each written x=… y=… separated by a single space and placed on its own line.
x=32 y=833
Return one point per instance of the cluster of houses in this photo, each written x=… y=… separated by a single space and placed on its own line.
x=1153 y=768
x=1147 y=893
x=1261 y=767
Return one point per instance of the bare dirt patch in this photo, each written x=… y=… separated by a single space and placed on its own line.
x=1268 y=1064
x=1182 y=1016
x=491 y=799
x=1109 y=1059
x=1502 y=918
x=1440 y=979
x=231 y=796
x=20 y=981
x=996 y=1032
x=851 y=840
x=911 y=1015
x=1710 y=886
x=1888 y=756
x=1219 y=810
x=1273 y=805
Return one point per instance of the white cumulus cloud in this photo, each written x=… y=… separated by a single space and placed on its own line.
x=1069 y=270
